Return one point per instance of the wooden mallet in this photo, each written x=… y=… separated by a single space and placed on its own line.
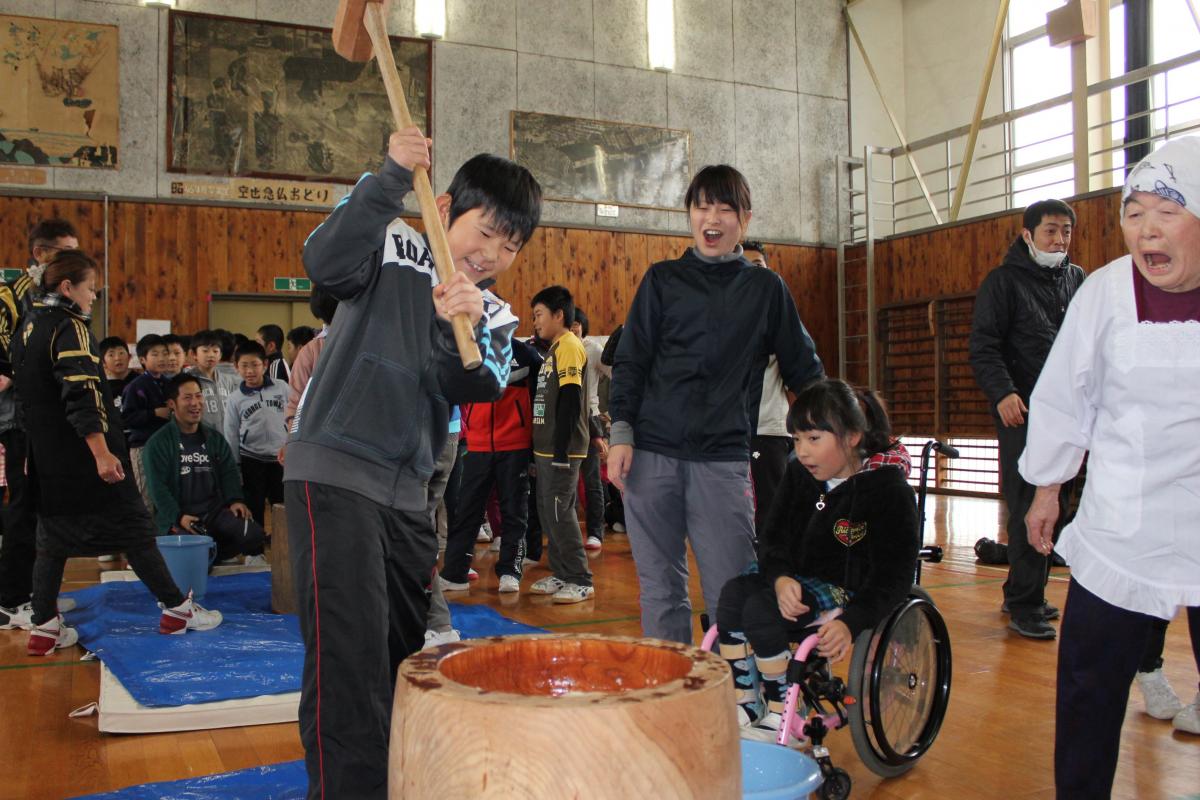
x=360 y=31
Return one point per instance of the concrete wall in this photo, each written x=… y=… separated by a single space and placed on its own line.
x=761 y=84
x=930 y=56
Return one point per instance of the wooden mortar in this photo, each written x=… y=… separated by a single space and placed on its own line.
x=564 y=716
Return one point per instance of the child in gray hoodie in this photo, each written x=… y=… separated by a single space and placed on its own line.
x=254 y=428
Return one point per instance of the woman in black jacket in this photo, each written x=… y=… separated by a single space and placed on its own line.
x=837 y=552
x=78 y=463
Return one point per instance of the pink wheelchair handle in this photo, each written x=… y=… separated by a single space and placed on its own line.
x=710 y=639
x=792 y=724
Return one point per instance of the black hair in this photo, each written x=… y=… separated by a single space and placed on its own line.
x=148 y=343
x=322 y=305
x=837 y=407
x=755 y=245
x=1038 y=211
x=240 y=339
x=46 y=232
x=204 y=339
x=249 y=348
x=228 y=343
x=556 y=298
x=503 y=190
x=271 y=334
x=300 y=336
x=173 y=338
x=112 y=343
x=719 y=183
x=582 y=319
x=175 y=385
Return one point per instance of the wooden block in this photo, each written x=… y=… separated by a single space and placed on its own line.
x=283 y=595
x=564 y=716
x=1077 y=21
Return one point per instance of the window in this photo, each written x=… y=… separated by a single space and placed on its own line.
x=1041 y=143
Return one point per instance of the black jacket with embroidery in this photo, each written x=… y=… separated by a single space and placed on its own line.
x=864 y=539
x=64 y=396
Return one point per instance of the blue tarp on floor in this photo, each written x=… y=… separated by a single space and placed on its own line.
x=253 y=652
x=285 y=781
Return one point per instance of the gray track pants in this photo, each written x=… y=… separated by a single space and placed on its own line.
x=669 y=502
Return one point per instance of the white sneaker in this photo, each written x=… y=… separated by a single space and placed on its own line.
x=509 y=583
x=188 y=616
x=766 y=729
x=547 y=585
x=20 y=617
x=65 y=604
x=1161 y=700
x=451 y=586
x=1188 y=720
x=618 y=527
x=485 y=533
x=435 y=638
x=574 y=593
x=256 y=561
x=593 y=543
x=50 y=636
x=494 y=547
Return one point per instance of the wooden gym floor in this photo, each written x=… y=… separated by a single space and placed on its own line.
x=997 y=740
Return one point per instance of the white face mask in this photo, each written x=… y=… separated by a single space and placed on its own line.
x=1043 y=259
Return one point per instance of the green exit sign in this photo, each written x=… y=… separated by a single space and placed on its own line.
x=10 y=274
x=293 y=285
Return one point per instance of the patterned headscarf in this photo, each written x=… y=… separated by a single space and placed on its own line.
x=1172 y=171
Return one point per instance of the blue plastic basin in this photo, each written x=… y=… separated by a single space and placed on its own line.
x=188 y=558
x=771 y=772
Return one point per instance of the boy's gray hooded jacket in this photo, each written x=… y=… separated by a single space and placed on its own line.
x=376 y=411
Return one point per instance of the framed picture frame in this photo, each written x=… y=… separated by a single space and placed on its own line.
x=60 y=105
x=261 y=99
x=580 y=160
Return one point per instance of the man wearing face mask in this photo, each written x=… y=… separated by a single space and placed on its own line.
x=1018 y=311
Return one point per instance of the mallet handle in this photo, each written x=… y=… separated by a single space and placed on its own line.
x=376 y=26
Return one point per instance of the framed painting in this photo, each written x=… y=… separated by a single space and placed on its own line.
x=594 y=161
x=59 y=106
x=271 y=100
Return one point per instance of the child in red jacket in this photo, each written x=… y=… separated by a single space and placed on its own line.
x=499 y=451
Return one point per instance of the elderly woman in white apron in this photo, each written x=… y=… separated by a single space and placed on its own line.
x=1122 y=383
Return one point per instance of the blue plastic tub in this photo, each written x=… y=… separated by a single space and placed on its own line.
x=188 y=558
x=771 y=772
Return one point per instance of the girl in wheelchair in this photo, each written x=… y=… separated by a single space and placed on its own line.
x=837 y=552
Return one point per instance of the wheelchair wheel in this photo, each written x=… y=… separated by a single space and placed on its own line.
x=900 y=675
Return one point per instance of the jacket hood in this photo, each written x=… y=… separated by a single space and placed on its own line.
x=896 y=455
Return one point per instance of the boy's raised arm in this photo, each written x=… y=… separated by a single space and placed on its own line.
x=342 y=254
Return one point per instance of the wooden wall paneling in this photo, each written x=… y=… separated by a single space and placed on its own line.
x=20 y=214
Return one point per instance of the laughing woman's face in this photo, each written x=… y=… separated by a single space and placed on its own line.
x=1164 y=239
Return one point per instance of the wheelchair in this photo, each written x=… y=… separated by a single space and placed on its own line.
x=898 y=688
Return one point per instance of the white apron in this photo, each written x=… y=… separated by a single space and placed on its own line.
x=1128 y=393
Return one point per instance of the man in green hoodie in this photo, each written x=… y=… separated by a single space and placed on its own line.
x=193 y=478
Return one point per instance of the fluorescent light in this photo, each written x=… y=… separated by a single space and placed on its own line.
x=660 y=34
x=429 y=17
x=158 y=3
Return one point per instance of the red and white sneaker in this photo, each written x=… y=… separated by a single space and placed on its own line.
x=188 y=615
x=50 y=636
x=472 y=575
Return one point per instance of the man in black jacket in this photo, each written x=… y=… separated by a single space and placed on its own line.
x=1018 y=311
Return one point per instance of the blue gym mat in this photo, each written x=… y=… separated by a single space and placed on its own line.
x=286 y=781
x=253 y=652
